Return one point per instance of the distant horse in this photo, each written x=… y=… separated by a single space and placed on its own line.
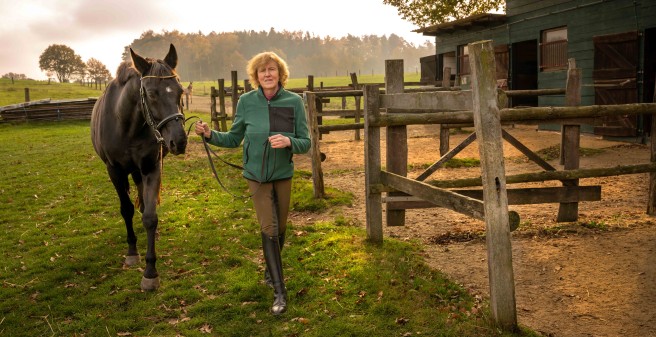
x=189 y=90
x=134 y=124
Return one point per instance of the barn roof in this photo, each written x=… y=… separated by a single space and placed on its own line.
x=482 y=20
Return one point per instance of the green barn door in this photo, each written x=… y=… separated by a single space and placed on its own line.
x=616 y=59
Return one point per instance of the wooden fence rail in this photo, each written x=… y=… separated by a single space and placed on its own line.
x=315 y=112
x=48 y=110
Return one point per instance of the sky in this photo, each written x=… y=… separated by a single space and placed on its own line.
x=101 y=29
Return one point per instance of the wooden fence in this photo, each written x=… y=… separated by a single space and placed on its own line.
x=315 y=112
x=48 y=110
x=480 y=108
x=219 y=114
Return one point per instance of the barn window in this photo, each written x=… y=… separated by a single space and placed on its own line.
x=553 y=49
x=463 y=60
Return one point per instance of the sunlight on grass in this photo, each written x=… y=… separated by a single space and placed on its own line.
x=64 y=242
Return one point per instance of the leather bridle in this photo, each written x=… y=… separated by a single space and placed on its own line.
x=148 y=115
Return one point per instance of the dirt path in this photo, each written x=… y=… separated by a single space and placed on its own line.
x=570 y=280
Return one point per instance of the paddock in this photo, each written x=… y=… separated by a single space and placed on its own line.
x=487 y=120
x=400 y=116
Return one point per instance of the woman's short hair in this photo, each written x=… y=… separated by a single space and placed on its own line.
x=260 y=60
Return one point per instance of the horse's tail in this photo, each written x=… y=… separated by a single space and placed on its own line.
x=137 y=201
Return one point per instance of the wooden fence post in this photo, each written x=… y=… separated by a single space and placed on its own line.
x=223 y=114
x=651 y=206
x=487 y=123
x=444 y=131
x=396 y=137
x=310 y=83
x=27 y=94
x=235 y=92
x=213 y=114
x=356 y=86
x=446 y=77
x=319 y=106
x=570 y=142
x=372 y=166
x=315 y=152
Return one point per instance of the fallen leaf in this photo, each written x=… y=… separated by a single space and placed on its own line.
x=301 y=292
x=206 y=329
x=402 y=320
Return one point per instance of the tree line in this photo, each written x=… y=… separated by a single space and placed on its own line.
x=209 y=57
x=215 y=55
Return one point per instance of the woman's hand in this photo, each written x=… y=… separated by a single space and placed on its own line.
x=202 y=129
x=279 y=141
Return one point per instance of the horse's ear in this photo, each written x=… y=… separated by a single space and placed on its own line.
x=172 y=57
x=140 y=63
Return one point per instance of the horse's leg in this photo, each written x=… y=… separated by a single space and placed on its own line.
x=151 y=185
x=122 y=185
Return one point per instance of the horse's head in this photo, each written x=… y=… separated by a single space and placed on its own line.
x=161 y=95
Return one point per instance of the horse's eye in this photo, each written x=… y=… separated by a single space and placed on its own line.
x=151 y=94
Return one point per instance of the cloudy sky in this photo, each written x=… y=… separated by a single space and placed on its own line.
x=101 y=29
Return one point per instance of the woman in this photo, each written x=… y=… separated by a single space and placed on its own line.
x=271 y=121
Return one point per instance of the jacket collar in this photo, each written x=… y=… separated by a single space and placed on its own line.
x=278 y=93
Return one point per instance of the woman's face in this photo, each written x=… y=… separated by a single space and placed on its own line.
x=268 y=76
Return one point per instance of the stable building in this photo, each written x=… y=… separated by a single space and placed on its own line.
x=613 y=42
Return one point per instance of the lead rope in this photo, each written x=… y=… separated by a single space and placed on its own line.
x=210 y=152
x=209 y=156
x=161 y=172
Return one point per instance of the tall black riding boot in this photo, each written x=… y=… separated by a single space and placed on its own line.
x=267 y=274
x=271 y=249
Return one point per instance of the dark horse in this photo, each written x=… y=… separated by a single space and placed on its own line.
x=134 y=124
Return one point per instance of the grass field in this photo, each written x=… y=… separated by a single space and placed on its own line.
x=38 y=90
x=15 y=93
x=63 y=241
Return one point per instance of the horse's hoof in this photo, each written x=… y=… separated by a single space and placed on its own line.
x=132 y=260
x=149 y=284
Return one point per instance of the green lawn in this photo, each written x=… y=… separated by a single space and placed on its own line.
x=63 y=243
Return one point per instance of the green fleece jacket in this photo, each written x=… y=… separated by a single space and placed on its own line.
x=258 y=118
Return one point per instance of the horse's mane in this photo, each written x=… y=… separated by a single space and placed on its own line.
x=126 y=71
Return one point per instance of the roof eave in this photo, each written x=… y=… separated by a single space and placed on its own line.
x=477 y=20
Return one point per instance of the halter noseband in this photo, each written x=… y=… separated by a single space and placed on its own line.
x=148 y=116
